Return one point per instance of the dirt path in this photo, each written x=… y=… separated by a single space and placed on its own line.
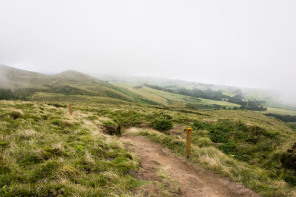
x=194 y=181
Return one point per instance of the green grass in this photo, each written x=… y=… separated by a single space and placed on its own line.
x=223 y=103
x=173 y=100
x=44 y=150
x=208 y=156
x=151 y=94
x=77 y=99
x=245 y=146
x=35 y=86
x=280 y=111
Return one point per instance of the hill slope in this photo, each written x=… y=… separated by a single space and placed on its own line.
x=43 y=149
x=73 y=86
x=29 y=85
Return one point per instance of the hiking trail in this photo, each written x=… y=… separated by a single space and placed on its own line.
x=193 y=180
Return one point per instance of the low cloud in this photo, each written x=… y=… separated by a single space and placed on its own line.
x=238 y=43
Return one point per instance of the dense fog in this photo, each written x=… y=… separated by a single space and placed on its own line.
x=237 y=43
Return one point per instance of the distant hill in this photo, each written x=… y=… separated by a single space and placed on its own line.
x=73 y=86
x=73 y=75
x=251 y=93
x=270 y=98
x=26 y=84
x=14 y=78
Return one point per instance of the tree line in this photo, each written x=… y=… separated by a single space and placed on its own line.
x=254 y=105
x=207 y=94
x=7 y=94
x=284 y=118
x=21 y=94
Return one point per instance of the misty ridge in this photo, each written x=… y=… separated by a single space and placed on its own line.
x=22 y=81
x=205 y=42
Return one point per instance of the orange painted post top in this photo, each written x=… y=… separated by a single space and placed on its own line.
x=189 y=129
x=70 y=109
x=188 y=141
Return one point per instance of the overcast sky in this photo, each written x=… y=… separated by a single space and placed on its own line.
x=235 y=42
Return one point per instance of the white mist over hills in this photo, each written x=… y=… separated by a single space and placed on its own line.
x=15 y=79
x=238 y=43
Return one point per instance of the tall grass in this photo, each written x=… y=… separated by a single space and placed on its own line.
x=211 y=158
x=45 y=152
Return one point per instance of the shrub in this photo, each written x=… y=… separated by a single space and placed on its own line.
x=7 y=94
x=229 y=148
x=162 y=125
x=112 y=128
x=198 y=125
x=57 y=105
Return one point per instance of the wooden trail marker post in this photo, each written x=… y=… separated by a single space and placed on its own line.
x=188 y=141
x=70 y=109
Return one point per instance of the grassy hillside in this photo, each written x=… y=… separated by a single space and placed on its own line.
x=15 y=78
x=253 y=154
x=170 y=83
x=46 y=152
x=30 y=85
x=77 y=99
x=280 y=111
x=173 y=100
x=70 y=85
x=245 y=146
x=267 y=96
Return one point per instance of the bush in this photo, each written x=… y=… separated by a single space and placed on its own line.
x=57 y=105
x=229 y=148
x=162 y=125
x=198 y=125
x=7 y=94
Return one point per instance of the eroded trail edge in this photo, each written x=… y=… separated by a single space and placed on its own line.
x=193 y=180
